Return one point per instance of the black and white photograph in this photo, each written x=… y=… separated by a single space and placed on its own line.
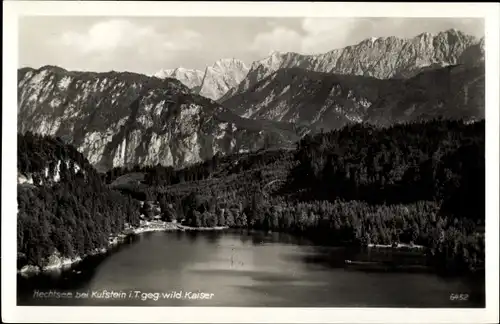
x=231 y=160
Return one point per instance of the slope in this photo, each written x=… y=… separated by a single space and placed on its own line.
x=324 y=100
x=122 y=119
x=69 y=218
x=379 y=57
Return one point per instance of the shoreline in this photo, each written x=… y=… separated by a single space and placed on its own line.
x=58 y=263
x=202 y=229
x=398 y=246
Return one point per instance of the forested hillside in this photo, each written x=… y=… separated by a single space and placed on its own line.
x=417 y=183
x=74 y=216
x=420 y=183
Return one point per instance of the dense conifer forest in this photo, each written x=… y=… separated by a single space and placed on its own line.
x=75 y=214
x=419 y=183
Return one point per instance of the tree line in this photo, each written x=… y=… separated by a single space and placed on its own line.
x=437 y=160
x=453 y=243
x=216 y=167
x=420 y=183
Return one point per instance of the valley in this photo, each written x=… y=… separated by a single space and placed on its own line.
x=374 y=153
x=359 y=197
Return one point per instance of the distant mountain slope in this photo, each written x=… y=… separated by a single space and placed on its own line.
x=454 y=92
x=212 y=83
x=122 y=119
x=380 y=57
x=329 y=101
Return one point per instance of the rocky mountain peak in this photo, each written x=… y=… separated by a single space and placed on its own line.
x=223 y=75
x=379 y=57
x=214 y=81
x=228 y=63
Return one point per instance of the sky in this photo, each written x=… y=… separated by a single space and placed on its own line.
x=149 y=44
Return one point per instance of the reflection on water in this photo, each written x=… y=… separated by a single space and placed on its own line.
x=243 y=269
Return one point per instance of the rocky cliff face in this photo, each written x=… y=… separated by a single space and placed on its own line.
x=382 y=57
x=222 y=76
x=325 y=100
x=123 y=119
x=214 y=82
x=473 y=55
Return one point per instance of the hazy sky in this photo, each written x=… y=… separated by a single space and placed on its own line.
x=148 y=44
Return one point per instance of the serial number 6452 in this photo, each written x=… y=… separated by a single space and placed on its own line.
x=459 y=297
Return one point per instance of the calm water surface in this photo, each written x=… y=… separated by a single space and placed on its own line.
x=241 y=269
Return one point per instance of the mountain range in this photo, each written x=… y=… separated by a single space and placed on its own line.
x=123 y=118
x=379 y=57
x=328 y=101
x=214 y=82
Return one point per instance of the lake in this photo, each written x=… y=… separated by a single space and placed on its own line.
x=240 y=269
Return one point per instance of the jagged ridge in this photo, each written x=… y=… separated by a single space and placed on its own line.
x=122 y=119
x=214 y=82
x=381 y=57
x=324 y=100
x=191 y=78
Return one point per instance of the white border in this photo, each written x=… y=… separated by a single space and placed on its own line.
x=11 y=313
